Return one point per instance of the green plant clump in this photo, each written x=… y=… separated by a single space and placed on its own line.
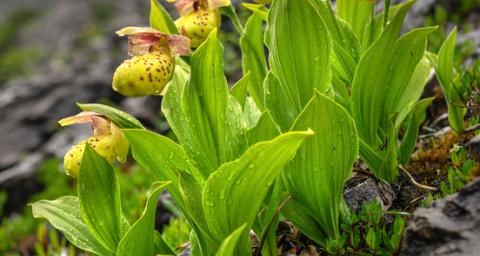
x=280 y=144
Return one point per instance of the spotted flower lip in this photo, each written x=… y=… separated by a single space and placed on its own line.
x=185 y=7
x=141 y=40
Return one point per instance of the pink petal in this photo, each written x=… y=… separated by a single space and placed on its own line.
x=179 y=44
x=212 y=4
x=100 y=125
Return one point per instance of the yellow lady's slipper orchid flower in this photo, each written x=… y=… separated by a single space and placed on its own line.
x=198 y=18
x=107 y=139
x=152 y=64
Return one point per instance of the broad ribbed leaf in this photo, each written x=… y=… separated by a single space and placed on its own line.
x=160 y=19
x=209 y=134
x=377 y=93
x=412 y=123
x=300 y=48
x=99 y=198
x=139 y=240
x=302 y=218
x=369 y=84
x=356 y=13
x=120 y=118
x=316 y=176
x=346 y=45
x=64 y=214
x=445 y=74
x=414 y=90
x=160 y=246
x=375 y=27
x=340 y=32
x=280 y=105
x=235 y=192
x=251 y=114
x=445 y=64
x=192 y=194
x=253 y=58
x=166 y=159
x=239 y=89
x=265 y=129
x=258 y=9
x=232 y=242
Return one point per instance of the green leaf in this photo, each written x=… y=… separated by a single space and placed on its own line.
x=160 y=246
x=445 y=74
x=265 y=129
x=214 y=134
x=346 y=46
x=160 y=19
x=281 y=107
x=194 y=212
x=267 y=220
x=377 y=93
x=369 y=85
x=445 y=64
x=258 y=9
x=370 y=238
x=376 y=25
x=122 y=119
x=302 y=219
x=166 y=159
x=414 y=90
x=246 y=179
x=316 y=176
x=139 y=240
x=253 y=58
x=356 y=13
x=300 y=49
x=251 y=114
x=229 y=245
x=99 y=199
x=232 y=14
x=64 y=214
x=239 y=89
x=416 y=118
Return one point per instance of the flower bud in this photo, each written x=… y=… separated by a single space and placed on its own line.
x=198 y=25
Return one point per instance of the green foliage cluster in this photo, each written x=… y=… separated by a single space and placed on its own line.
x=458 y=175
x=366 y=233
x=336 y=86
x=14 y=229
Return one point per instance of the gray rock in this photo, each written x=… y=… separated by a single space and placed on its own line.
x=75 y=67
x=449 y=226
x=361 y=189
